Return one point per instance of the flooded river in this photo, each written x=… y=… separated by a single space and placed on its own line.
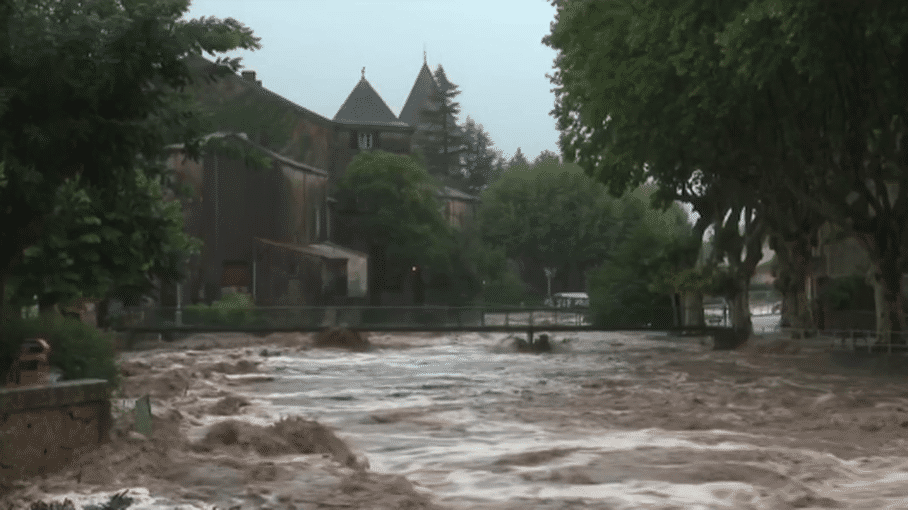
x=608 y=420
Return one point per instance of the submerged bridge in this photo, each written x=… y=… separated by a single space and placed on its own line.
x=442 y=319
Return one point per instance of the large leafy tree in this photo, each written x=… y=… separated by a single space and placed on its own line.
x=97 y=244
x=770 y=106
x=549 y=215
x=391 y=203
x=641 y=96
x=835 y=77
x=90 y=91
x=639 y=280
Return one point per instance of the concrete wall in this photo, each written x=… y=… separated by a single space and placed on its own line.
x=44 y=428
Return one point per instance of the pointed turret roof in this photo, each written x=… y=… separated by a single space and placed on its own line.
x=419 y=95
x=365 y=106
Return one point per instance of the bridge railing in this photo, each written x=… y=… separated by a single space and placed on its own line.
x=349 y=316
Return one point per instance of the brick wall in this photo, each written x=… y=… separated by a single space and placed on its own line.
x=44 y=428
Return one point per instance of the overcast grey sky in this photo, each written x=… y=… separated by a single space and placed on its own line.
x=313 y=51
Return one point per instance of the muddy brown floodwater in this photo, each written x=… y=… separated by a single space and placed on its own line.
x=605 y=421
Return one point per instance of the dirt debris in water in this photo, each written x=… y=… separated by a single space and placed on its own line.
x=777 y=389
x=294 y=462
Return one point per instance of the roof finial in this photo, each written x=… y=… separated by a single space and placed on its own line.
x=364 y=73
x=424 y=53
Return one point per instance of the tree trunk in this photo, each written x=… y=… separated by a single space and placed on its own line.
x=885 y=276
x=886 y=280
x=794 y=261
x=692 y=309
x=102 y=310
x=2 y=300
x=376 y=273
x=740 y=312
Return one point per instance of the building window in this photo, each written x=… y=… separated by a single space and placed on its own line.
x=365 y=140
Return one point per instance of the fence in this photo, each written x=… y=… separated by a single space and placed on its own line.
x=764 y=317
x=309 y=317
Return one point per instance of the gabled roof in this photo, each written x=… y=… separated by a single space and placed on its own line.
x=365 y=106
x=243 y=138
x=456 y=194
x=326 y=250
x=419 y=94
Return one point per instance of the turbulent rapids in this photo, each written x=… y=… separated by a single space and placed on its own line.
x=604 y=420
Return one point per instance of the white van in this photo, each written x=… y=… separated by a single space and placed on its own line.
x=570 y=300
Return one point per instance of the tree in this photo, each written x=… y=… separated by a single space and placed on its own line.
x=545 y=157
x=801 y=102
x=479 y=158
x=549 y=216
x=637 y=284
x=439 y=137
x=835 y=76
x=618 y=75
x=95 y=244
x=91 y=90
x=392 y=203
x=518 y=160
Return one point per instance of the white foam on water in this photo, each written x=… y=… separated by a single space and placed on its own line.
x=142 y=500
x=440 y=423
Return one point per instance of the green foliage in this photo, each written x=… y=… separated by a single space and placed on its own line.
x=438 y=136
x=518 y=161
x=551 y=214
x=773 y=114
x=844 y=293
x=392 y=201
x=94 y=243
x=633 y=287
x=234 y=309
x=501 y=282
x=251 y=156
x=81 y=351
x=482 y=162
x=92 y=92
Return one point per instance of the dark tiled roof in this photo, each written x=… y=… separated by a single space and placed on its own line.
x=325 y=250
x=242 y=138
x=201 y=64
x=419 y=94
x=365 y=106
x=449 y=192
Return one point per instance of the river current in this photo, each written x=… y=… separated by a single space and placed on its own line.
x=606 y=421
x=452 y=415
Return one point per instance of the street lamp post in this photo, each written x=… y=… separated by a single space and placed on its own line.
x=549 y=273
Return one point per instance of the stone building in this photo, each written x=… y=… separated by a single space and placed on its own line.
x=270 y=231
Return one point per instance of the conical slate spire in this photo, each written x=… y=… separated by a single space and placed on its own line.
x=365 y=106
x=422 y=90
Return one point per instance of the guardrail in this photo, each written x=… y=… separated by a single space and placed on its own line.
x=306 y=317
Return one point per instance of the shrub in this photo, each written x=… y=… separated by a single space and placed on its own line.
x=620 y=298
x=79 y=350
x=235 y=309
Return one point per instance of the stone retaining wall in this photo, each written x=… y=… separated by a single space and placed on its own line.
x=43 y=428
